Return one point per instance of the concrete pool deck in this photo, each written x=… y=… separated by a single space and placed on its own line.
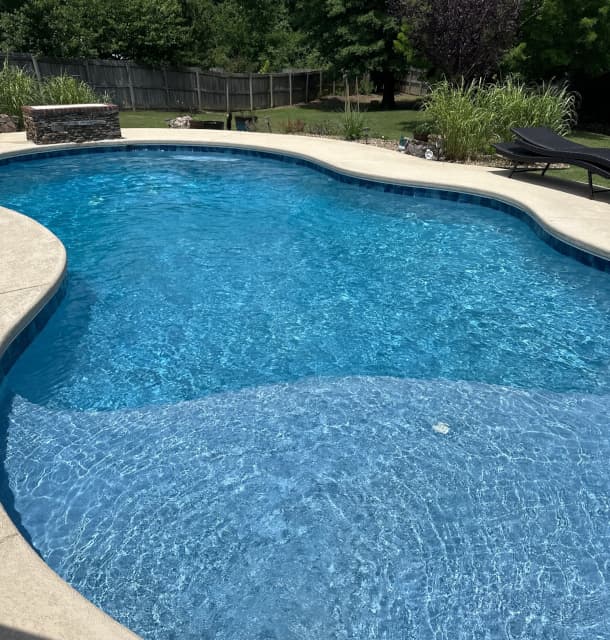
x=33 y=599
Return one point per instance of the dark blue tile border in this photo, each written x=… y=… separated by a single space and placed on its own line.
x=597 y=262
x=27 y=335
x=19 y=344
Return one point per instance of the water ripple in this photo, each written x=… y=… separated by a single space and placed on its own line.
x=329 y=508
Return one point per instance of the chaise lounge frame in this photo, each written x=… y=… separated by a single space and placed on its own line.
x=539 y=145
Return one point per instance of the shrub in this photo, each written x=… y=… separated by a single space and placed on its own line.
x=292 y=126
x=518 y=105
x=65 y=89
x=425 y=127
x=354 y=125
x=366 y=86
x=17 y=88
x=323 y=128
x=423 y=130
x=469 y=116
x=463 y=123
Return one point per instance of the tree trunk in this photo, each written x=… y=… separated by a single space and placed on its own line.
x=388 y=102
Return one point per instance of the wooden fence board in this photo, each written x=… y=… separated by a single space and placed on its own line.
x=133 y=86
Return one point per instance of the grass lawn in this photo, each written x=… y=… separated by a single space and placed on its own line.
x=574 y=173
x=145 y=119
x=328 y=114
x=389 y=124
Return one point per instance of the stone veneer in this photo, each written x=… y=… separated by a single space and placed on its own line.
x=50 y=124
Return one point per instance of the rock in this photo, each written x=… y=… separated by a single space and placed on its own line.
x=422 y=150
x=7 y=123
x=181 y=122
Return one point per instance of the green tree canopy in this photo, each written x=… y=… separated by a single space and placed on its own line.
x=355 y=36
x=238 y=35
x=150 y=31
x=10 y=5
x=563 y=37
x=245 y=35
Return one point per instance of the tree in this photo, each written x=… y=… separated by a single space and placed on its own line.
x=564 y=37
x=10 y=5
x=568 y=39
x=149 y=31
x=463 y=38
x=248 y=35
x=238 y=35
x=355 y=36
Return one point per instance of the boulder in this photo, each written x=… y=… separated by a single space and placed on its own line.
x=181 y=122
x=8 y=124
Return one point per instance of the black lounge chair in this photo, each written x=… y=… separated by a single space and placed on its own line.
x=537 y=138
x=541 y=145
x=520 y=155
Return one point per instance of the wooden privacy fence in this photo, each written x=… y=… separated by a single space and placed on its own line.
x=412 y=82
x=132 y=86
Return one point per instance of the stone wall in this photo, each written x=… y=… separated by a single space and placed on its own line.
x=71 y=123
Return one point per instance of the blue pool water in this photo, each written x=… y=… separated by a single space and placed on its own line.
x=226 y=429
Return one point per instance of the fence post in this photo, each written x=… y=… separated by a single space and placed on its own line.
x=87 y=73
x=36 y=67
x=251 y=93
x=271 y=89
x=132 y=94
x=198 y=82
x=290 y=86
x=227 y=94
x=320 y=87
x=307 y=86
x=166 y=87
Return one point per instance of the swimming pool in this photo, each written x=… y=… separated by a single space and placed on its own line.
x=227 y=432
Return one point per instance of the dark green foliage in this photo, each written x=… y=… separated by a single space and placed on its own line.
x=356 y=36
x=237 y=35
x=560 y=37
x=149 y=31
x=458 y=39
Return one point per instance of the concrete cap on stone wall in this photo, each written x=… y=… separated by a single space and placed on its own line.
x=60 y=108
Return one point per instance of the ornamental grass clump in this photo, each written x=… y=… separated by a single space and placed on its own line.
x=354 y=125
x=463 y=123
x=17 y=88
x=469 y=117
x=65 y=89
x=515 y=104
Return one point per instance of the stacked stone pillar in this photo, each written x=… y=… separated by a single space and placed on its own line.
x=53 y=124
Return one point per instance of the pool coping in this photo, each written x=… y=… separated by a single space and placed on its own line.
x=33 y=599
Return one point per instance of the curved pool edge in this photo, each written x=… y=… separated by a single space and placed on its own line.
x=32 y=597
x=558 y=208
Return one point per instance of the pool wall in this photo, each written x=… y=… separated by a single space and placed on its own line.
x=33 y=599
